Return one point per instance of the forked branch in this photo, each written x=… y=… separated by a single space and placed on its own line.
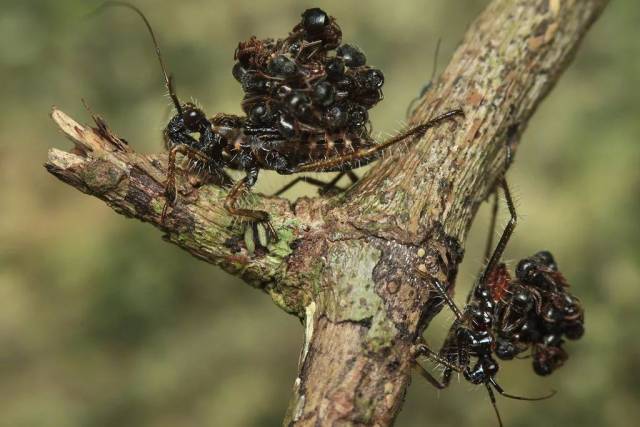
x=346 y=264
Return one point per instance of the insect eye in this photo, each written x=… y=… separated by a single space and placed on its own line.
x=193 y=119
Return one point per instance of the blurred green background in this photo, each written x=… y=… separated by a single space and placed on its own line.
x=104 y=324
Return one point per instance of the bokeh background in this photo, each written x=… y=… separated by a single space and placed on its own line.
x=104 y=324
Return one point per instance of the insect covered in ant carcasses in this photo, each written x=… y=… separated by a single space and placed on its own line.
x=306 y=103
x=535 y=311
x=504 y=318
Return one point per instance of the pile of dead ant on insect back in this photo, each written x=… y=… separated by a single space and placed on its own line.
x=306 y=105
x=308 y=85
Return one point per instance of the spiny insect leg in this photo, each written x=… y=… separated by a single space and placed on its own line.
x=170 y=186
x=371 y=153
x=442 y=293
x=251 y=215
x=422 y=349
x=506 y=234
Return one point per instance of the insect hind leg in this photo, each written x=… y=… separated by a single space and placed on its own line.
x=369 y=154
x=171 y=193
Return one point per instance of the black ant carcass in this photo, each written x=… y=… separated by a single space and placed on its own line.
x=306 y=106
x=505 y=317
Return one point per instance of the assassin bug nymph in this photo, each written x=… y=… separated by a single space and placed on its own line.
x=504 y=317
x=306 y=112
x=471 y=335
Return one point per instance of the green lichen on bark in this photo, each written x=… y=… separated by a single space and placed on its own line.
x=356 y=362
x=350 y=294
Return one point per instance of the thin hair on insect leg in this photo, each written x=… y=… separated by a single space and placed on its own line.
x=505 y=236
x=168 y=79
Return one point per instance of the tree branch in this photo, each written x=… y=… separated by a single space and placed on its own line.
x=346 y=264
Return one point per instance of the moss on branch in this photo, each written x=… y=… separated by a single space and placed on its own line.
x=346 y=265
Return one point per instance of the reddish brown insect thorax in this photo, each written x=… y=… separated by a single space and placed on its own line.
x=498 y=281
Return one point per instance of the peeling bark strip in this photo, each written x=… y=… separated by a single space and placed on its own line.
x=346 y=265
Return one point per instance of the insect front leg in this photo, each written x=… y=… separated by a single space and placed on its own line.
x=170 y=190
x=421 y=349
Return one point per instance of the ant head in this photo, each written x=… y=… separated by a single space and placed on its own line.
x=351 y=55
x=314 y=20
x=317 y=25
x=193 y=118
x=522 y=301
x=574 y=330
x=480 y=319
x=547 y=359
x=528 y=271
x=542 y=367
x=546 y=259
x=484 y=369
x=505 y=349
x=482 y=293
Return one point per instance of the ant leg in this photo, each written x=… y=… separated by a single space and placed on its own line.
x=513 y=396
x=506 y=234
x=492 y=397
x=250 y=215
x=331 y=187
x=369 y=154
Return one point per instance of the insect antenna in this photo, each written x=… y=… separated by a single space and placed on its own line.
x=516 y=397
x=426 y=87
x=492 y=397
x=168 y=78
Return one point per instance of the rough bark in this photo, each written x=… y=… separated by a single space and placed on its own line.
x=345 y=265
